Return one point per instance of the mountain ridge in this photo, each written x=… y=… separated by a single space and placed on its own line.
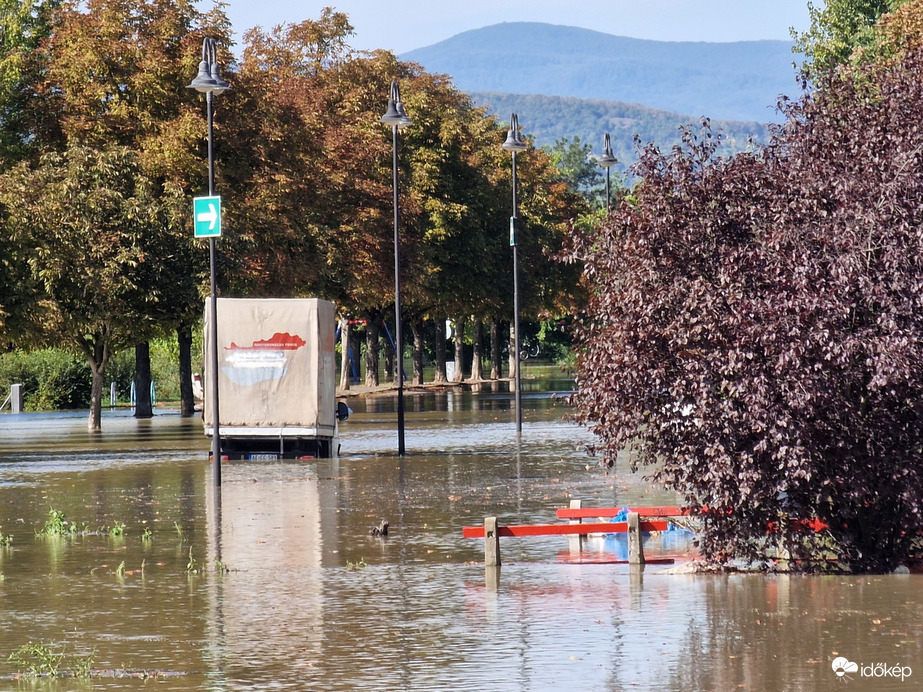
x=680 y=77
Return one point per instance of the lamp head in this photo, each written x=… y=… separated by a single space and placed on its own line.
x=514 y=141
x=395 y=115
x=607 y=159
x=203 y=81
x=209 y=79
x=220 y=84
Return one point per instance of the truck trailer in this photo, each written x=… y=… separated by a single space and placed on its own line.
x=276 y=378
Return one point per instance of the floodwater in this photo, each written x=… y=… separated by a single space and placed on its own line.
x=277 y=584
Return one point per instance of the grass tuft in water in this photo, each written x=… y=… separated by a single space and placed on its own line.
x=58 y=525
x=147 y=535
x=352 y=566
x=5 y=540
x=192 y=567
x=116 y=530
x=40 y=660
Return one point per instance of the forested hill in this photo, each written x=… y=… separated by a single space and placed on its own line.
x=731 y=81
x=547 y=119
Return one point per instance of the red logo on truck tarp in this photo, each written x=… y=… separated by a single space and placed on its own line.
x=264 y=360
x=278 y=342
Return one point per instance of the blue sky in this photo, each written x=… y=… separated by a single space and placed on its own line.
x=402 y=25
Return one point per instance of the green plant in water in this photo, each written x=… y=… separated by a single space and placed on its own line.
x=117 y=529
x=179 y=530
x=5 y=540
x=147 y=535
x=362 y=564
x=120 y=570
x=39 y=660
x=83 y=665
x=193 y=565
x=57 y=524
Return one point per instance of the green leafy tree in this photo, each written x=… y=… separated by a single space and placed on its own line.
x=23 y=25
x=578 y=168
x=84 y=216
x=114 y=72
x=839 y=30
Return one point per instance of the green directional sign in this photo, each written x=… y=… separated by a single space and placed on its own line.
x=206 y=216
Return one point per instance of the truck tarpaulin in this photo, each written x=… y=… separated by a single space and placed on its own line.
x=276 y=366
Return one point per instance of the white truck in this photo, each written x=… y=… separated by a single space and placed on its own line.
x=276 y=378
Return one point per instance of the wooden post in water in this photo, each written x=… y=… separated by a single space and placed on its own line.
x=635 y=551
x=491 y=542
x=576 y=541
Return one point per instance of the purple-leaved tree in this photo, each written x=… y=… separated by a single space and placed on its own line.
x=754 y=335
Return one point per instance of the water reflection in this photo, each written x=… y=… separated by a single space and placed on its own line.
x=304 y=598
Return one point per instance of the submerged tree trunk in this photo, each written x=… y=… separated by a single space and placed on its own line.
x=495 y=372
x=459 y=349
x=144 y=407
x=97 y=355
x=416 y=326
x=439 y=377
x=477 y=372
x=184 y=344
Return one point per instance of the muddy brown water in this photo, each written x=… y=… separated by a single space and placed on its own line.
x=288 y=591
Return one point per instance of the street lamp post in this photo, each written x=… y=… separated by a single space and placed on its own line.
x=514 y=143
x=208 y=81
x=607 y=160
x=397 y=119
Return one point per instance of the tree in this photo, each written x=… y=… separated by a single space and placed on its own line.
x=838 y=31
x=578 y=168
x=23 y=25
x=84 y=216
x=114 y=72
x=753 y=334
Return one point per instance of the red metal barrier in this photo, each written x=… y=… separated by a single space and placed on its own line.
x=562 y=529
x=599 y=512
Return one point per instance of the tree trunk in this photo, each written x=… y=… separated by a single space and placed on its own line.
x=495 y=371
x=477 y=373
x=397 y=359
x=390 y=362
x=416 y=327
x=372 y=330
x=344 y=355
x=186 y=396
x=97 y=359
x=439 y=377
x=390 y=355
x=143 y=405
x=355 y=350
x=459 y=349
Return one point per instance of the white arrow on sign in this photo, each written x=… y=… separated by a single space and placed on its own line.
x=209 y=217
